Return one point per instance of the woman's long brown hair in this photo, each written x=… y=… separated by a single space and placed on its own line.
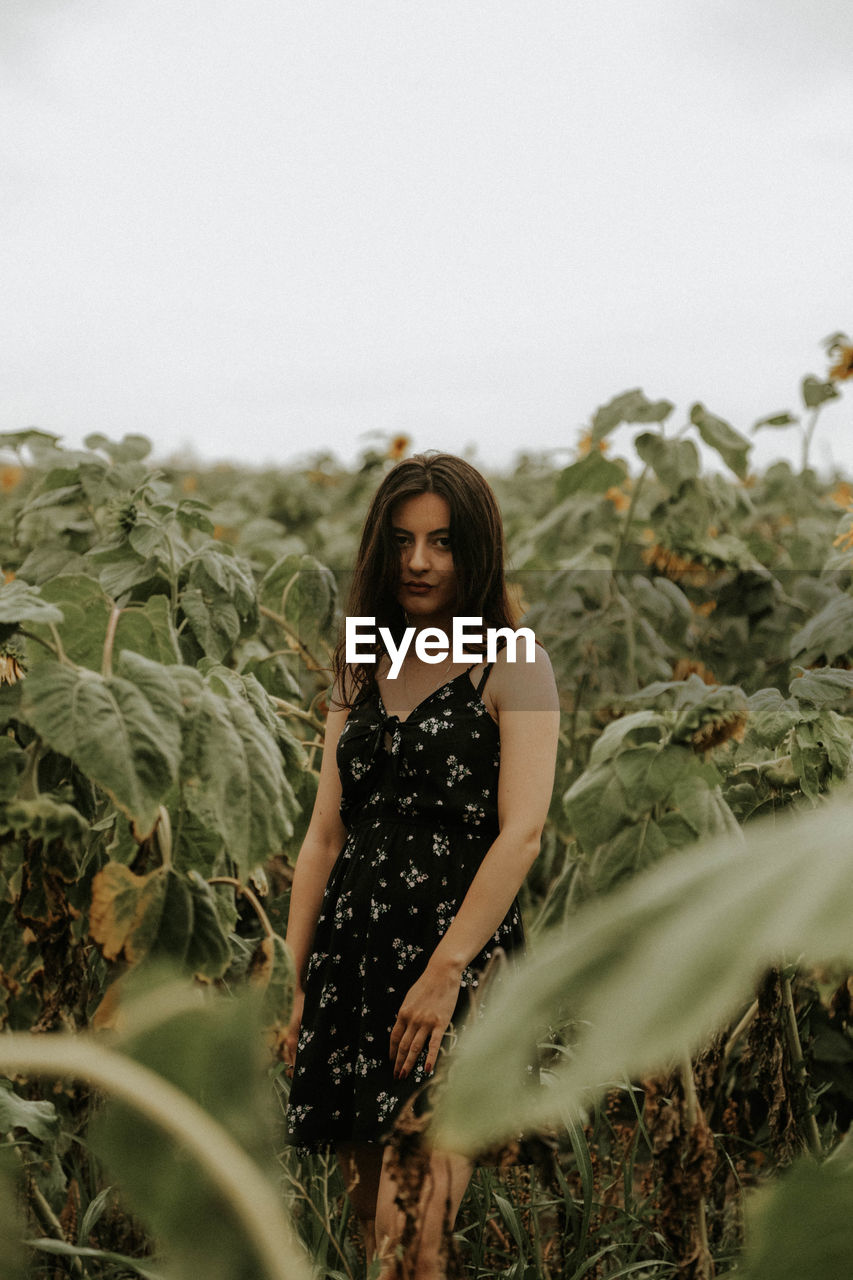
x=476 y=540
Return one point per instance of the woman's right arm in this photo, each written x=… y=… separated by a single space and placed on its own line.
x=323 y=842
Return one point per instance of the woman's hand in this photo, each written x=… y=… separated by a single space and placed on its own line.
x=291 y=1035
x=424 y=1015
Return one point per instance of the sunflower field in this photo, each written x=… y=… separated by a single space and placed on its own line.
x=165 y=637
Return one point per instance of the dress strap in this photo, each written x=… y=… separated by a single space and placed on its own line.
x=484 y=677
x=487 y=670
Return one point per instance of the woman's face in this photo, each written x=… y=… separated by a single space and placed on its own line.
x=421 y=527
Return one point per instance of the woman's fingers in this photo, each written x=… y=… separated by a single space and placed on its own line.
x=424 y=1015
x=409 y=1048
x=409 y=1040
x=434 y=1046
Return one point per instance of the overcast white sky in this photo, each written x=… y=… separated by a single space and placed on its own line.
x=260 y=228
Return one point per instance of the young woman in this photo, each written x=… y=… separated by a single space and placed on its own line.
x=434 y=787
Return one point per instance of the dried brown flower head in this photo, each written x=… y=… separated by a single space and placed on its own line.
x=399 y=447
x=687 y=667
x=718 y=730
x=843 y=367
x=619 y=499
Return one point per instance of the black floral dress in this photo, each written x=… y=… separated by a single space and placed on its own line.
x=420 y=805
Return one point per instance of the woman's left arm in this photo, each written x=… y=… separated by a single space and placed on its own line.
x=525 y=699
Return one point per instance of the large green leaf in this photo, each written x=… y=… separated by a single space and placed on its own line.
x=38 y=1118
x=650 y=972
x=729 y=444
x=639 y=726
x=85 y=612
x=592 y=474
x=86 y=608
x=124 y=732
x=31 y=436
x=828 y=635
x=165 y=913
x=823 y=687
x=801 y=1228
x=218 y=599
x=673 y=461
x=628 y=406
x=595 y=805
x=147 y=629
x=19 y=602
x=784 y=419
x=131 y=448
x=232 y=775
x=12 y=761
x=210 y=1046
x=816 y=392
x=771 y=716
x=304 y=591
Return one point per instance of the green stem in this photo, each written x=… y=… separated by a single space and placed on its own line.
x=39 y=640
x=109 y=641
x=254 y=1201
x=798 y=1064
x=288 y=709
x=579 y=692
x=287 y=627
x=250 y=898
x=807 y=438
x=163 y=835
x=741 y=1029
x=705 y=1262
x=29 y=788
x=60 y=652
x=47 y=1219
x=629 y=515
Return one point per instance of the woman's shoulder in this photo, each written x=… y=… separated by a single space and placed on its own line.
x=522 y=679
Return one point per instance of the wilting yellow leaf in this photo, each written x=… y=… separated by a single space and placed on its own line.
x=125 y=910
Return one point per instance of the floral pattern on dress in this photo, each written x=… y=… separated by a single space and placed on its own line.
x=419 y=803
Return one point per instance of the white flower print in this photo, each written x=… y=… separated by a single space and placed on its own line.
x=385 y=1104
x=412 y=877
x=343 y=910
x=444 y=915
x=440 y=845
x=456 y=771
x=433 y=724
x=364 y=1066
x=406 y=952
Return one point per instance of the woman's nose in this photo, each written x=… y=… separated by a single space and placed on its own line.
x=419 y=556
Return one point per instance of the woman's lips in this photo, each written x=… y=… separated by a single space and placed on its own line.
x=418 y=588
